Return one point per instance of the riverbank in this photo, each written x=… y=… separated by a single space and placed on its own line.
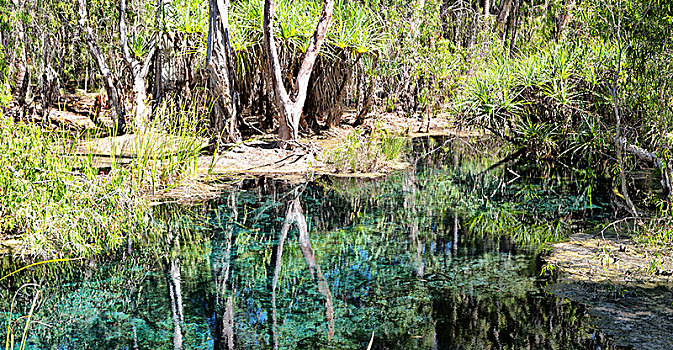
x=371 y=150
x=625 y=283
x=69 y=196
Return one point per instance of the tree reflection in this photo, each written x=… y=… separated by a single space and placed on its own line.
x=221 y=266
x=174 y=284
x=295 y=215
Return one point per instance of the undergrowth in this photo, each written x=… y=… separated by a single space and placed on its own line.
x=547 y=101
x=366 y=153
x=56 y=202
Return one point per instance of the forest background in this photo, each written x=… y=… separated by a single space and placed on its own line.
x=584 y=84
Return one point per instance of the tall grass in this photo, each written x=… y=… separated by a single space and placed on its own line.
x=58 y=203
x=167 y=153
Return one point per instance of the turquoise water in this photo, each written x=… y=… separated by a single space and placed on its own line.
x=436 y=257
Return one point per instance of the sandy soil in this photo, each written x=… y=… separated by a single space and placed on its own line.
x=259 y=156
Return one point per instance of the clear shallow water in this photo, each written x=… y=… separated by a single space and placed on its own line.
x=399 y=262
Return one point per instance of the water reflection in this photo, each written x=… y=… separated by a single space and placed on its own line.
x=317 y=265
x=222 y=267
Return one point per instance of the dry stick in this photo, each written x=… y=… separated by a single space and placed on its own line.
x=276 y=162
x=614 y=223
x=651 y=157
x=371 y=341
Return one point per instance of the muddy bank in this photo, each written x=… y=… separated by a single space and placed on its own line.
x=640 y=317
x=603 y=258
x=626 y=285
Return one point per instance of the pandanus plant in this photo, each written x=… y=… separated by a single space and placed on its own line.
x=355 y=31
x=547 y=102
x=355 y=36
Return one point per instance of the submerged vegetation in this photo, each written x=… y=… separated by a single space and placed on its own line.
x=107 y=105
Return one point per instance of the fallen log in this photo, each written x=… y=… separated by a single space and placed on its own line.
x=647 y=156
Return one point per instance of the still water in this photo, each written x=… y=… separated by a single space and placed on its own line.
x=435 y=257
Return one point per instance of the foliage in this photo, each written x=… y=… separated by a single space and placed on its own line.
x=44 y=193
x=547 y=102
x=56 y=201
x=366 y=154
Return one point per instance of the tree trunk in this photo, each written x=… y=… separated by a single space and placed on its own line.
x=23 y=76
x=164 y=64
x=48 y=90
x=291 y=105
x=503 y=15
x=220 y=67
x=360 y=119
x=334 y=117
x=562 y=18
x=139 y=71
x=513 y=24
x=110 y=83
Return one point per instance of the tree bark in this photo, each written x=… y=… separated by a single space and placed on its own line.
x=562 y=19
x=139 y=71
x=334 y=117
x=23 y=76
x=513 y=26
x=219 y=62
x=614 y=88
x=110 y=82
x=291 y=104
x=164 y=65
x=360 y=119
x=503 y=16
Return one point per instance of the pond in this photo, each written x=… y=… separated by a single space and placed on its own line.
x=446 y=255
